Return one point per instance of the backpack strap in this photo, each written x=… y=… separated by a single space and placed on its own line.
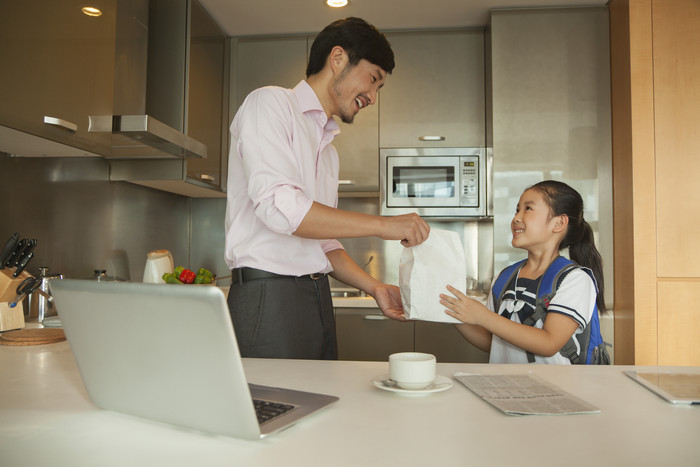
x=546 y=289
x=503 y=279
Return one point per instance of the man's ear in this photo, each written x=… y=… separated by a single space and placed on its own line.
x=337 y=59
x=561 y=222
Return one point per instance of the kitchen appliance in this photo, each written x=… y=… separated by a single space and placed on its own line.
x=40 y=302
x=170 y=354
x=435 y=182
x=158 y=262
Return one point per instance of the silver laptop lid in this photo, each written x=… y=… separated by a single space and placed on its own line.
x=165 y=353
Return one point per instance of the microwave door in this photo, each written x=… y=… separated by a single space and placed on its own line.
x=423 y=185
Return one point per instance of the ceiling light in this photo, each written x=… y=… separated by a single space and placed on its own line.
x=91 y=11
x=337 y=3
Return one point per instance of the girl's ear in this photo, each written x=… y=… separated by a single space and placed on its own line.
x=561 y=222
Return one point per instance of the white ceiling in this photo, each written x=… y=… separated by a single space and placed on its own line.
x=271 y=17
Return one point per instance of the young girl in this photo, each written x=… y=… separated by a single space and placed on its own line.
x=548 y=218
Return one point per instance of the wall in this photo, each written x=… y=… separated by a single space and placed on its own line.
x=82 y=221
x=655 y=48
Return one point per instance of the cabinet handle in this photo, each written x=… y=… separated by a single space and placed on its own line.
x=207 y=178
x=374 y=317
x=431 y=138
x=66 y=125
x=346 y=182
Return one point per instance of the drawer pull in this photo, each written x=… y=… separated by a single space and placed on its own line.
x=346 y=182
x=66 y=125
x=374 y=317
x=431 y=138
x=207 y=178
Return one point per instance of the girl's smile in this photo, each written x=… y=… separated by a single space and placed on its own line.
x=533 y=222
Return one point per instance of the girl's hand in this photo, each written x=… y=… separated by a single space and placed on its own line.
x=462 y=307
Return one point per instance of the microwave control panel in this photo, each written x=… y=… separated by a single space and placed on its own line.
x=469 y=181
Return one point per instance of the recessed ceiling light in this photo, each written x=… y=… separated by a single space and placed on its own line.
x=337 y=3
x=91 y=11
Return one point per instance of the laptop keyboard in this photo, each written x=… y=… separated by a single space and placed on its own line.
x=267 y=410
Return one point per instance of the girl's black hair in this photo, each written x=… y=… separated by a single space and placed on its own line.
x=358 y=38
x=564 y=200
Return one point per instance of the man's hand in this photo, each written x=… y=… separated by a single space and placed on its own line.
x=388 y=297
x=411 y=229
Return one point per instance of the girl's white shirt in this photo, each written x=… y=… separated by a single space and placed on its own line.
x=575 y=297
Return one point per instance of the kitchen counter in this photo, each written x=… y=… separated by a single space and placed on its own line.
x=354 y=302
x=46 y=418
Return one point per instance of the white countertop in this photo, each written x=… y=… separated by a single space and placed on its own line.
x=46 y=418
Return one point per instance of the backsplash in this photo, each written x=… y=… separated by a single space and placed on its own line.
x=82 y=221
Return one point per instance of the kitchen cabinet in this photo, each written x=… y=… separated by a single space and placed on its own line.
x=58 y=69
x=281 y=61
x=436 y=94
x=207 y=115
x=365 y=334
x=447 y=344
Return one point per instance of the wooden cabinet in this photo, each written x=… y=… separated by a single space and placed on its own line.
x=58 y=69
x=655 y=64
x=436 y=94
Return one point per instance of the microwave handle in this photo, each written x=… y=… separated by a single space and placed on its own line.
x=431 y=138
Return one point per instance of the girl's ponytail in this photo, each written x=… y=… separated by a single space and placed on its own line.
x=583 y=251
x=564 y=200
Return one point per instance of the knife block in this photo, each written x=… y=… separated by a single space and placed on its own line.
x=9 y=284
x=11 y=318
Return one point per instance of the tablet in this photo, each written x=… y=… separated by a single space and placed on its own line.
x=676 y=388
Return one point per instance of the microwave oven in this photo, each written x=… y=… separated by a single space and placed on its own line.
x=435 y=182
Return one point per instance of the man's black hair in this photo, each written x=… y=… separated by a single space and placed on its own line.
x=358 y=38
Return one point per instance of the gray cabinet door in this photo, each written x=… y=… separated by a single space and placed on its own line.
x=446 y=343
x=57 y=63
x=267 y=61
x=206 y=106
x=365 y=334
x=436 y=90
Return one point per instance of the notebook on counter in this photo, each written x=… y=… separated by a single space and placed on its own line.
x=676 y=388
x=168 y=353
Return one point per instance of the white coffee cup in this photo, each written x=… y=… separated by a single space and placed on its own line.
x=412 y=370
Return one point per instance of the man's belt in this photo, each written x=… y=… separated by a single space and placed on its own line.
x=251 y=274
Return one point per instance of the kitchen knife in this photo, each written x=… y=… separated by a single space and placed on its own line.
x=15 y=254
x=8 y=249
x=23 y=264
x=27 y=249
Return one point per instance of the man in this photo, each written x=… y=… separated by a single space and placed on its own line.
x=281 y=216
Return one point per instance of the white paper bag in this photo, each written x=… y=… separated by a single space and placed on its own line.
x=425 y=271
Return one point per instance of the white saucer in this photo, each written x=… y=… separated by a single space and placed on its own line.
x=441 y=383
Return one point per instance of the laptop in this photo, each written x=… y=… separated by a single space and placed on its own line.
x=676 y=388
x=168 y=353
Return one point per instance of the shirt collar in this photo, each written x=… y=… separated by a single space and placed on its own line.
x=308 y=102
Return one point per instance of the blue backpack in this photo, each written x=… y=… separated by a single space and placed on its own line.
x=591 y=343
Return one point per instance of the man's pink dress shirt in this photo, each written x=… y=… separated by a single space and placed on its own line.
x=281 y=160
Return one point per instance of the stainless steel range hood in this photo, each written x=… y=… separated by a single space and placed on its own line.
x=150 y=83
x=142 y=136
